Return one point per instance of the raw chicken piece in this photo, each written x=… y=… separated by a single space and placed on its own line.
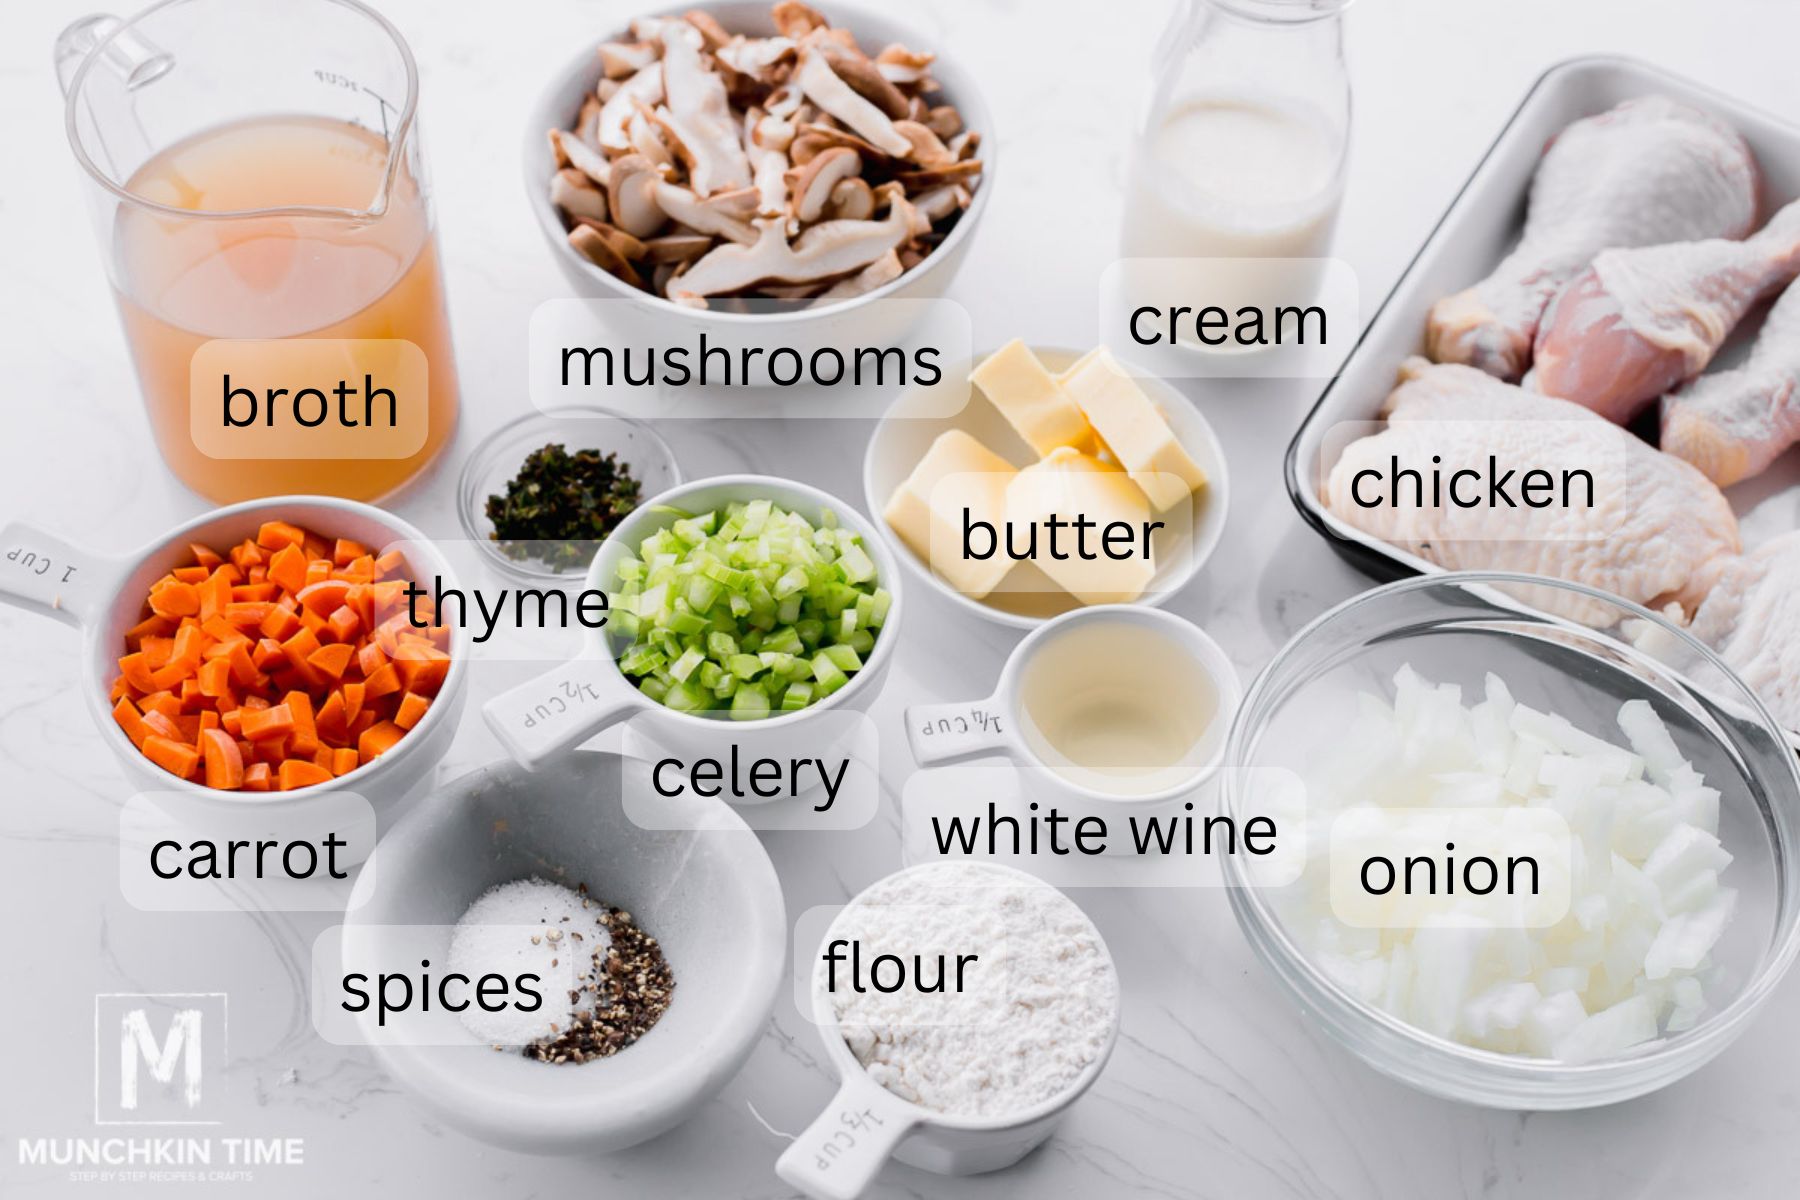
x=1733 y=424
x=1648 y=171
x=1638 y=322
x=1752 y=618
x=1658 y=539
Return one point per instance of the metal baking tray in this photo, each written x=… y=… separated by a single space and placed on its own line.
x=1480 y=226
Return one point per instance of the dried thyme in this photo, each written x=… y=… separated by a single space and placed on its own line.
x=560 y=504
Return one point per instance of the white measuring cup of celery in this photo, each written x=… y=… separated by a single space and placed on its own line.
x=864 y=1125
x=1104 y=706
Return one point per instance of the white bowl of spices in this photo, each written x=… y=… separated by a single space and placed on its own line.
x=966 y=1007
x=693 y=918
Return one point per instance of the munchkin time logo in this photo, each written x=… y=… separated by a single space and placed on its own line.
x=152 y=1055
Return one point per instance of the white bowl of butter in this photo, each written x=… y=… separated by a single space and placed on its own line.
x=1113 y=477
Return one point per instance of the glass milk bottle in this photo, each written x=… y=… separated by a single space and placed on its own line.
x=1241 y=151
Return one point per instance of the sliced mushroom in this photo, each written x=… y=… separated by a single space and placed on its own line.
x=623 y=243
x=677 y=247
x=796 y=20
x=587 y=122
x=646 y=87
x=827 y=250
x=940 y=202
x=684 y=206
x=765 y=142
x=711 y=32
x=646 y=139
x=927 y=150
x=944 y=121
x=810 y=185
x=814 y=138
x=923 y=181
x=575 y=194
x=854 y=68
x=851 y=200
x=631 y=193
x=700 y=114
x=573 y=152
x=902 y=66
x=756 y=58
x=739 y=202
x=622 y=60
x=965 y=144
x=823 y=87
x=590 y=244
x=883 y=270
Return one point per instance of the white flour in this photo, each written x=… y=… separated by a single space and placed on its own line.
x=1037 y=1006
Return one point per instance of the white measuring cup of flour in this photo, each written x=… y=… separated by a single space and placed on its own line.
x=845 y=1147
x=1000 y=725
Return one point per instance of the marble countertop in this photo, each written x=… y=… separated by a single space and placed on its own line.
x=1219 y=1086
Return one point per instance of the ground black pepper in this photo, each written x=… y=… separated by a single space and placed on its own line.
x=628 y=988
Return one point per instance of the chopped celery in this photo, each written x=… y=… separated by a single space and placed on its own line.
x=748 y=608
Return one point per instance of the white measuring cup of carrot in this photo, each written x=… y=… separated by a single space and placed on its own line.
x=104 y=596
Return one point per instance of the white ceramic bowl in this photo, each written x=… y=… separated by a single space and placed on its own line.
x=860 y=320
x=708 y=893
x=915 y=420
x=103 y=596
x=917 y=1136
x=564 y=707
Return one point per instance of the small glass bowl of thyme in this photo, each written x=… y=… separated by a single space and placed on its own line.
x=541 y=493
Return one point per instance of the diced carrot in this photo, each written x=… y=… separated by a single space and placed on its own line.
x=318 y=570
x=277 y=535
x=344 y=624
x=305 y=738
x=422 y=668
x=281 y=624
x=326 y=596
x=176 y=757
x=377 y=740
x=204 y=556
x=267 y=652
x=224 y=764
x=357 y=570
x=120 y=690
x=344 y=760
x=154 y=625
x=353 y=701
x=215 y=677
x=313 y=623
x=345 y=551
x=189 y=724
x=162 y=724
x=299 y=773
x=243 y=668
x=132 y=722
x=254 y=593
x=209 y=719
x=412 y=707
x=271 y=750
x=258 y=777
x=157 y=651
x=175 y=599
x=389 y=563
x=166 y=703
x=188 y=574
x=232 y=722
x=370 y=659
x=215 y=593
x=136 y=670
x=332 y=724
x=287 y=569
x=383 y=681
x=332 y=660
x=275 y=721
x=191 y=699
x=316 y=546
x=248 y=614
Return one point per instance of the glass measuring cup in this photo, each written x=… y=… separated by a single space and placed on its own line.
x=255 y=172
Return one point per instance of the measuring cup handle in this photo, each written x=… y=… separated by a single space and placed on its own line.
x=840 y=1153
x=136 y=60
x=940 y=733
x=46 y=574
x=560 y=709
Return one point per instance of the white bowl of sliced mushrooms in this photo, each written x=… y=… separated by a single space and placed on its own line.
x=742 y=164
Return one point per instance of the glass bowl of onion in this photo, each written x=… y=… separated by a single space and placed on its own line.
x=1536 y=844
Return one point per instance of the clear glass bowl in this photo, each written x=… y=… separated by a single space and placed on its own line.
x=495 y=462
x=1453 y=628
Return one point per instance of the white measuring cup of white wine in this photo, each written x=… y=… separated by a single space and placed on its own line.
x=1109 y=705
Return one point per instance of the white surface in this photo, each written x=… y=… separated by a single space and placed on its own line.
x=1218 y=1087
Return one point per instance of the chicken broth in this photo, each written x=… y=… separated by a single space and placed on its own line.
x=1117 y=707
x=182 y=283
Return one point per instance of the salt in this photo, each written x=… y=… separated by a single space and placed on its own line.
x=526 y=927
